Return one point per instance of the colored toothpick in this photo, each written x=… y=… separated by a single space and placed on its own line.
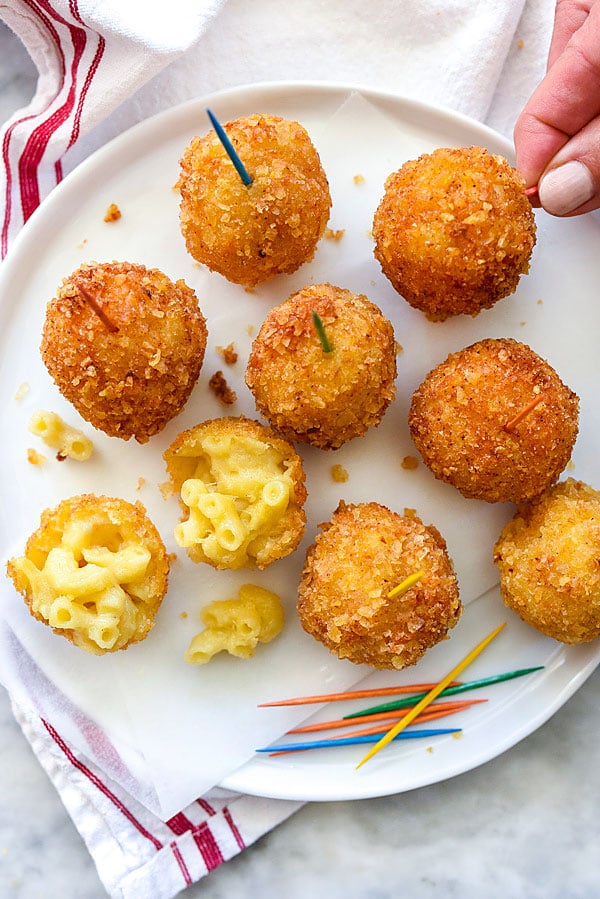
x=437 y=709
x=433 y=694
x=524 y=411
x=452 y=690
x=320 y=329
x=531 y=191
x=406 y=584
x=229 y=149
x=352 y=741
x=351 y=694
x=96 y=307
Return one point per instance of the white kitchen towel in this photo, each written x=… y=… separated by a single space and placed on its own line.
x=104 y=66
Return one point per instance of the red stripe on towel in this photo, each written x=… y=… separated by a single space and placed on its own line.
x=95 y=780
x=181 y=862
x=234 y=828
x=208 y=846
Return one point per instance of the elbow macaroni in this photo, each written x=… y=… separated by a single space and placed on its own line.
x=240 y=493
x=70 y=442
x=237 y=626
x=95 y=571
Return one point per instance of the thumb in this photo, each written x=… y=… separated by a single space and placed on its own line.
x=570 y=185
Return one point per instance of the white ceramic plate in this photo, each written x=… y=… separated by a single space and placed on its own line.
x=555 y=310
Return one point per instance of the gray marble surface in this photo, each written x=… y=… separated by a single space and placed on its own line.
x=525 y=825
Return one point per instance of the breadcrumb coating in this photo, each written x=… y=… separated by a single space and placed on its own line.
x=454 y=231
x=108 y=524
x=272 y=226
x=129 y=379
x=548 y=556
x=316 y=397
x=359 y=556
x=458 y=419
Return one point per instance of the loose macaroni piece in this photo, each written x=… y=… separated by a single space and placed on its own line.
x=242 y=491
x=237 y=626
x=96 y=571
x=70 y=442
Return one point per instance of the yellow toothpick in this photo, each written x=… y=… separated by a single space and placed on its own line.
x=433 y=694
x=406 y=584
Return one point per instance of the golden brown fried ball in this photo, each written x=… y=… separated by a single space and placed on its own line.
x=359 y=556
x=242 y=493
x=454 y=231
x=549 y=562
x=96 y=571
x=461 y=421
x=317 y=397
x=270 y=227
x=129 y=367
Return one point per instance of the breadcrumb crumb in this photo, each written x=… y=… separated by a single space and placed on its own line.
x=359 y=179
x=229 y=354
x=113 y=213
x=409 y=463
x=35 y=458
x=221 y=389
x=330 y=234
x=22 y=389
x=339 y=473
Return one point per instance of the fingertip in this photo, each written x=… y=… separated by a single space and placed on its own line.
x=566 y=188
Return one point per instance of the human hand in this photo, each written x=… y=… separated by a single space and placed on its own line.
x=557 y=135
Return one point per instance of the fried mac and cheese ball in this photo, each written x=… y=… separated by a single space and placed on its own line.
x=128 y=365
x=249 y=233
x=242 y=492
x=548 y=558
x=317 y=397
x=463 y=421
x=454 y=231
x=358 y=557
x=96 y=571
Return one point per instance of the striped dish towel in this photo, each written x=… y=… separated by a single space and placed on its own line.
x=136 y=854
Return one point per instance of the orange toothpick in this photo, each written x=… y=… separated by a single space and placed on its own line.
x=433 y=694
x=353 y=694
x=524 y=411
x=445 y=707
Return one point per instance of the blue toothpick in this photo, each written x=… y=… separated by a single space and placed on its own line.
x=367 y=738
x=230 y=149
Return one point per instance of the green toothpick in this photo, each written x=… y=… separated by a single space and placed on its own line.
x=319 y=328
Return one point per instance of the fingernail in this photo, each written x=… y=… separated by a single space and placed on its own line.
x=565 y=188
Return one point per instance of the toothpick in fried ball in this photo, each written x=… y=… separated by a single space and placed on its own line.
x=249 y=233
x=323 y=396
x=454 y=231
x=129 y=370
x=347 y=598
x=548 y=558
x=466 y=419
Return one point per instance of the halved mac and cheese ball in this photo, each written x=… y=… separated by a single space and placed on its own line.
x=318 y=397
x=359 y=557
x=249 y=233
x=242 y=492
x=125 y=345
x=96 y=570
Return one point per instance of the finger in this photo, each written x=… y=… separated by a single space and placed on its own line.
x=568 y=18
x=571 y=183
x=565 y=101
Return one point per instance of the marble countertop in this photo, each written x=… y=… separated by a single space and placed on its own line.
x=524 y=825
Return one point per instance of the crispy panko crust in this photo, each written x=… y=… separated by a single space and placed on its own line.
x=102 y=515
x=131 y=381
x=359 y=556
x=251 y=233
x=316 y=397
x=549 y=562
x=454 y=231
x=458 y=415
x=186 y=451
